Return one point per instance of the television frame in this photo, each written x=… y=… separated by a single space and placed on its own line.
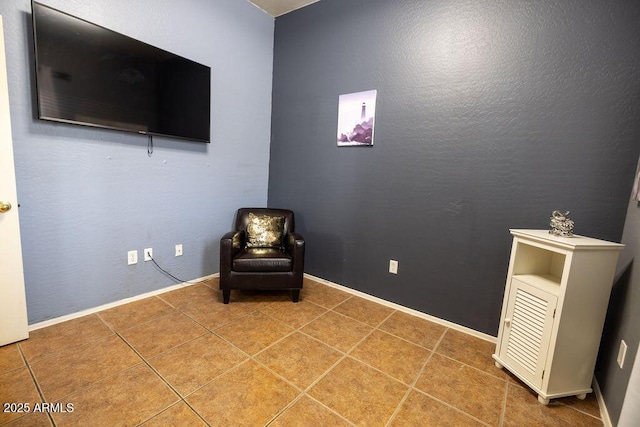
x=101 y=121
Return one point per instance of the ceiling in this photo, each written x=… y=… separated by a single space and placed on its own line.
x=280 y=7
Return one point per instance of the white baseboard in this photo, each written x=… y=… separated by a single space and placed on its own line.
x=404 y=309
x=381 y=301
x=93 y=310
x=604 y=414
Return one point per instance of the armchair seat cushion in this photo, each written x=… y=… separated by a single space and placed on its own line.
x=262 y=260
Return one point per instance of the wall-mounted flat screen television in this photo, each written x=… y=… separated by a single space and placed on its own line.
x=92 y=76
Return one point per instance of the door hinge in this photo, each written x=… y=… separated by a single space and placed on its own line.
x=542 y=375
x=554 y=314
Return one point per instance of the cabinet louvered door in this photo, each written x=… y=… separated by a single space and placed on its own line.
x=528 y=324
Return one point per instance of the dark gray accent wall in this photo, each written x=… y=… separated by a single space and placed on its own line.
x=623 y=321
x=490 y=115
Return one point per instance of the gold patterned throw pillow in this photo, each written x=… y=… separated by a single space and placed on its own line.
x=265 y=231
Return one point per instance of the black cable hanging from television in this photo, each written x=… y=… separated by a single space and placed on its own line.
x=150 y=146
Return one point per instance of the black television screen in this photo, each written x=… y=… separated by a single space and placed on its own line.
x=89 y=75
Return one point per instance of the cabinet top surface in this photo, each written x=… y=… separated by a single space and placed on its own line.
x=575 y=242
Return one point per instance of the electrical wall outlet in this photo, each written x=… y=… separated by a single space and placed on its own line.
x=132 y=257
x=393 y=266
x=179 y=250
x=148 y=254
x=622 y=352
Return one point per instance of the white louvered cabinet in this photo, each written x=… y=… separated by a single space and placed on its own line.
x=555 y=302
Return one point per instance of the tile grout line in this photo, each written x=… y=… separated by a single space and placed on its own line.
x=523 y=386
x=304 y=394
x=305 y=391
x=583 y=412
x=321 y=376
x=222 y=374
x=447 y=404
x=470 y=367
x=348 y=355
x=244 y=352
x=326 y=310
x=365 y=324
x=115 y=334
x=298 y=329
x=503 y=413
x=330 y=410
x=145 y=322
x=171 y=406
x=344 y=356
x=295 y=328
x=452 y=407
x=42 y=358
x=415 y=380
x=35 y=381
x=467 y=365
x=144 y=360
x=251 y=357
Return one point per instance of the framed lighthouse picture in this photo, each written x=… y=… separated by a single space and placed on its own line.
x=356 y=118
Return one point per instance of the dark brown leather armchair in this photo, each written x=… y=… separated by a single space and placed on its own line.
x=247 y=264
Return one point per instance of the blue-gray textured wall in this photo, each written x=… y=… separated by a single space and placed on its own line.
x=490 y=115
x=88 y=196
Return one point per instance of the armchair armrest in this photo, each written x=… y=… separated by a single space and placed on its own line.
x=230 y=244
x=295 y=246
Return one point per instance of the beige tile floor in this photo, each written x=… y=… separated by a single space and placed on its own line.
x=334 y=359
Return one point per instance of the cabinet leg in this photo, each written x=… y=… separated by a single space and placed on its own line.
x=498 y=365
x=543 y=400
x=582 y=396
